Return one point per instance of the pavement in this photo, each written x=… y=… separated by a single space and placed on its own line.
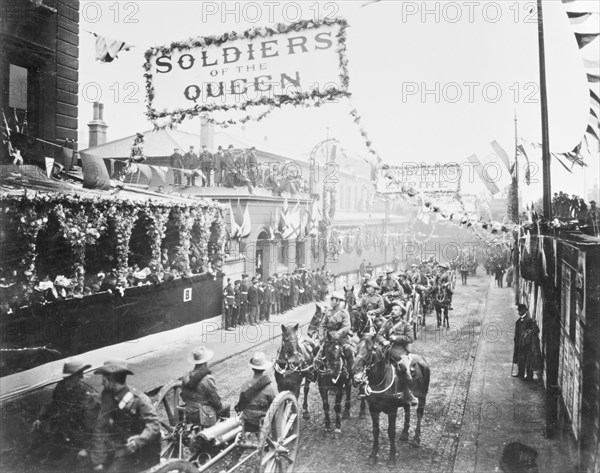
x=501 y=409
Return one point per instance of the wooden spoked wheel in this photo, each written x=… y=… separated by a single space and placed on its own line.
x=174 y=466
x=279 y=436
x=418 y=315
x=167 y=401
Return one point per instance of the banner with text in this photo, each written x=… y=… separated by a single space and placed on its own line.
x=416 y=178
x=263 y=66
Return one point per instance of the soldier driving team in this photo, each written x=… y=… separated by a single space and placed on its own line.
x=119 y=430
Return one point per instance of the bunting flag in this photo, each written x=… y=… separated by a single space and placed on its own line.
x=283 y=214
x=292 y=229
x=492 y=187
x=107 y=49
x=235 y=229
x=521 y=152
x=95 y=174
x=500 y=153
x=586 y=32
x=273 y=224
x=314 y=219
x=246 y=226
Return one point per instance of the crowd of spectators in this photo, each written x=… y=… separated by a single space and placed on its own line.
x=234 y=168
x=253 y=301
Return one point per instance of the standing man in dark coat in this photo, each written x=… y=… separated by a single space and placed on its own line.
x=229 y=295
x=521 y=350
x=217 y=160
x=190 y=162
x=127 y=435
x=268 y=298
x=252 y=164
x=237 y=308
x=228 y=166
x=176 y=161
x=253 y=303
x=244 y=286
x=207 y=166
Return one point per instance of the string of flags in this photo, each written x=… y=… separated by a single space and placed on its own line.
x=108 y=48
x=587 y=41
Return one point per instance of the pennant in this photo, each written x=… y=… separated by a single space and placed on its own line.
x=235 y=229
x=492 y=187
x=65 y=158
x=591 y=131
x=107 y=49
x=593 y=78
x=95 y=174
x=500 y=153
x=246 y=226
x=49 y=166
x=521 y=151
x=272 y=225
x=591 y=63
x=293 y=223
x=583 y=39
x=576 y=17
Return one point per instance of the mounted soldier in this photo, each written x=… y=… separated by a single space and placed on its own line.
x=335 y=326
x=390 y=285
x=372 y=304
x=397 y=334
x=203 y=405
x=257 y=394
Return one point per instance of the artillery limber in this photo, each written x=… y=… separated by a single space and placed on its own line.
x=230 y=443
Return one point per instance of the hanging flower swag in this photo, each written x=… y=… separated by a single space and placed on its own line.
x=83 y=220
x=313 y=97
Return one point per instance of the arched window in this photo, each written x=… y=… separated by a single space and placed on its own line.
x=102 y=256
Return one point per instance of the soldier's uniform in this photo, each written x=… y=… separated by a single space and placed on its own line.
x=391 y=285
x=67 y=422
x=244 y=286
x=237 y=293
x=373 y=303
x=229 y=295
x=125 y=414
x=336 y=324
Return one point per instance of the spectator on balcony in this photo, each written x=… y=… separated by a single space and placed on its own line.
x=176 y=160
x=252 y=165
x=218 y=164
x=207 y=165
x=228 y=167
x=593 y=218
x=190 y=163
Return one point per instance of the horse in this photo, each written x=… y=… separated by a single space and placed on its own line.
x=441 y=302
x=373 y=369
x=294 y=364
x=333 y=375
x=361 y=323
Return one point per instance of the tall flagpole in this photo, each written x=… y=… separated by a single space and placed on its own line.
x=517 y=220
x=547 y=195
x=516 y=217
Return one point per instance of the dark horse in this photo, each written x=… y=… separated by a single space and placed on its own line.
x=294 y=364
x=373 y=369
x=333 y=375
x=441 y=295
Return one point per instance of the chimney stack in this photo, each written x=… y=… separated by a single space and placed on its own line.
x=97 y=127
x=207 y=134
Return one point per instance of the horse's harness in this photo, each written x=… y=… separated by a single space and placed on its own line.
x=368 y=366
x=286 y=368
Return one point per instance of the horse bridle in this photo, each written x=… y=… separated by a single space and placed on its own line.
x=365 y=377
x=323 y=371
x=289 y=367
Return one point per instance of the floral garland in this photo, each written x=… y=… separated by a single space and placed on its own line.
x=368 y=241
x=184 y=222
x=83 y=219
x=315 y=96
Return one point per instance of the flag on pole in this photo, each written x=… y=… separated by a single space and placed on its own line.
x=107 y=48
x=491 y=186
x=246 y=226
x=501 y=153
x=235 y=229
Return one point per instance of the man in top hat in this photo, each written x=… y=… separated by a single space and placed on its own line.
x=66 y=423
x=522 y=347
x=335 y=326
x=397 y=333
x=203 y=405
x=268 y=300
x=128 y=431
x=257 y=393
x=372 y=303
x=176 y=161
